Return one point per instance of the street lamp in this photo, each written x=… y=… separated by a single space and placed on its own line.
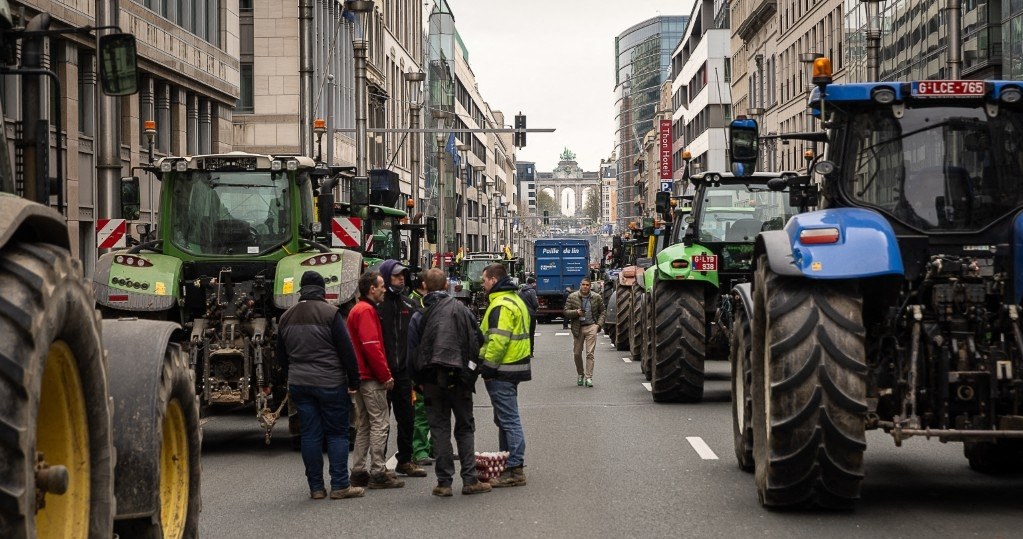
x=490 y=206
x=443 y=119
x=361 y=10
x=478 y=172
x=415 y=85
x=463 y=150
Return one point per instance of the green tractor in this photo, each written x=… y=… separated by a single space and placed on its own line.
x=688 y=318
x=236 y=233
x=471 y=269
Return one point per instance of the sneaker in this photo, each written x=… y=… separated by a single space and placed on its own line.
x=350 y=492
x=410 y=469
x=360 y=479
x=589 y=382
x=478 y=487
x=385 y=481
x=442 y=491
x=318 y=494
x=512 y=477
x=579 y=382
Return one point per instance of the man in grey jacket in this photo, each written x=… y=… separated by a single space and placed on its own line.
x=316 y=352
x=586 y=312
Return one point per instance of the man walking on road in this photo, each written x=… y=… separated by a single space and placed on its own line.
x=319 y=362
x=371 y=401
x=395 y=314
x=504 y=362
x=443 y=343
x=586 y=311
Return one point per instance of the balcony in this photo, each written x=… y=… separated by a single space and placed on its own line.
x=756 y=19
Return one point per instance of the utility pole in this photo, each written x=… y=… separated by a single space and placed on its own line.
x=442 y=244
x=305 y=77
x=955 y=41
x=108 y=155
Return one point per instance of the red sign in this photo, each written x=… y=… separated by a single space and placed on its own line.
x=665 y=149
x=448 y=259
x=948 y=88
x=705 y=262
x=344 y=231
x=111 y=233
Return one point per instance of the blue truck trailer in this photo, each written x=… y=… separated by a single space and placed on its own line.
x=561 y=263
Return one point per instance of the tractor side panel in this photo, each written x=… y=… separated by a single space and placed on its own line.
x=137 y=282
x=866 y=245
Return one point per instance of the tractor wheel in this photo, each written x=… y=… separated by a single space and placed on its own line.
x=54 y=388
x=995 y=458
x=678 y=345
x=636 y=327
x=623 y=314
x=809 y=390
x=742 y=400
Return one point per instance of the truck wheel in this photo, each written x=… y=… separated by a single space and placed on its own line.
x=678 y=347
x=636 y=328
x=54 y=388
x=157 y=434
x=742 y=400
x=995 y=458
x=623 y=314
x=810 y=407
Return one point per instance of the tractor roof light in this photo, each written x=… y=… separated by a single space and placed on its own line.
x=291 y=164
x=181 y=165
x=822 y=72
x=319 y=126
x=166 y=166
x=275 y=166
x=1011 y=95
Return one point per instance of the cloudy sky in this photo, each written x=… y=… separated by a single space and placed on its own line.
x=554 y=61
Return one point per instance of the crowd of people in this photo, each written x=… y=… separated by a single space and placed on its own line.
x=415 y=356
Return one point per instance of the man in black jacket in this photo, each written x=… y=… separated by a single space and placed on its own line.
x=316 y=353
x=395 y=314
x=443 y=342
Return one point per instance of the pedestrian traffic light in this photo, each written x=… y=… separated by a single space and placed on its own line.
x=431 y=230
x=519 y=137
x=546 y=218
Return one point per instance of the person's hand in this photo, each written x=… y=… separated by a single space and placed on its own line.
x=352 y=391
x=581 y=312
x=389 y=385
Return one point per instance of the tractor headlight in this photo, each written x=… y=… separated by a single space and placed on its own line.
x=1011 y=95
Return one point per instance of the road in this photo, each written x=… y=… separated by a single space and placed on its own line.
x=603 y=462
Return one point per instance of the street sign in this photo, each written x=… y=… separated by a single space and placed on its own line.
x=666 y=186
x=111 y=233
x=344 y=231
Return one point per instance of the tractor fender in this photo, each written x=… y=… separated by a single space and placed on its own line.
x=136 y=352
x=683 y=252
x=160 y=274
x=31 y=222
x=340 y=269
x=641 y=277
x=627 y=276
x=744 y=291
x=1017 y=257
x=866 y=246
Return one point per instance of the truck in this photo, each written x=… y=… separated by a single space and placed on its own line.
x=895 y=304
x=99 y=428
x=561 y=264
x=235 y=235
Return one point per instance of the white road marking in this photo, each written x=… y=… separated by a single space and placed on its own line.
x=561 y=334
x=392 y=462
x=537 y=334
x=701 y=448
x=627 y=359
x=648 y=386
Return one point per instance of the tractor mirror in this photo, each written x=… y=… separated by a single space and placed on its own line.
x=130 y=198
x=777 y=184
x=118 y=64
x=662 y=201
x=431 y=230
x=744 y=142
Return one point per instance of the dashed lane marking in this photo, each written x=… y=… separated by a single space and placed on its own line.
x=648 y=386
x=701 y=448
x=627 y=359
x=559 y=334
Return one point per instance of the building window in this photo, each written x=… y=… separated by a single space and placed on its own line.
x=86 y=93
x=245 y=97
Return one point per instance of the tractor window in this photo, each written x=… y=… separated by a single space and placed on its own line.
x=936 y=168
x=230 y=213
x=738 y=212
x=305 y=188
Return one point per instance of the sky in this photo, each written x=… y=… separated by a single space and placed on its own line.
x=553 y=60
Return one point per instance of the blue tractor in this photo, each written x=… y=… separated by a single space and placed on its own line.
x=895 y=305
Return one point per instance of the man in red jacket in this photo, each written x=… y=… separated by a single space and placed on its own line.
x=371 y=412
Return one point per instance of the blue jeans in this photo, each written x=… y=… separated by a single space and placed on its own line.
x=323 y=412
x=504 y=396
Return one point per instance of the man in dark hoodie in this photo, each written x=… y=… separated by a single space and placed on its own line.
x=443 y=342
x=395 y=314
x=316 y=352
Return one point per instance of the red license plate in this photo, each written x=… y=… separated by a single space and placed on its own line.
x=948 y=88
x=705 y=262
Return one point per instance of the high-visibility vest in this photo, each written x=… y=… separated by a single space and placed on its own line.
x=506 y=350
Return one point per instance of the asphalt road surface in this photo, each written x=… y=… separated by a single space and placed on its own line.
x=602 y=462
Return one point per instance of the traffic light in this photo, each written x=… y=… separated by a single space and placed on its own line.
x=130 y=198
x=431 y=230
x=546 y=218
x=519 y=137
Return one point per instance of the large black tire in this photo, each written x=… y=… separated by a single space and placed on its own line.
x=742 y=400
x=53 y=387
x=677 y=333
x=636 y=320
x=809 y=381
x=995 y=458
x=623 y=317
x=179 y=494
